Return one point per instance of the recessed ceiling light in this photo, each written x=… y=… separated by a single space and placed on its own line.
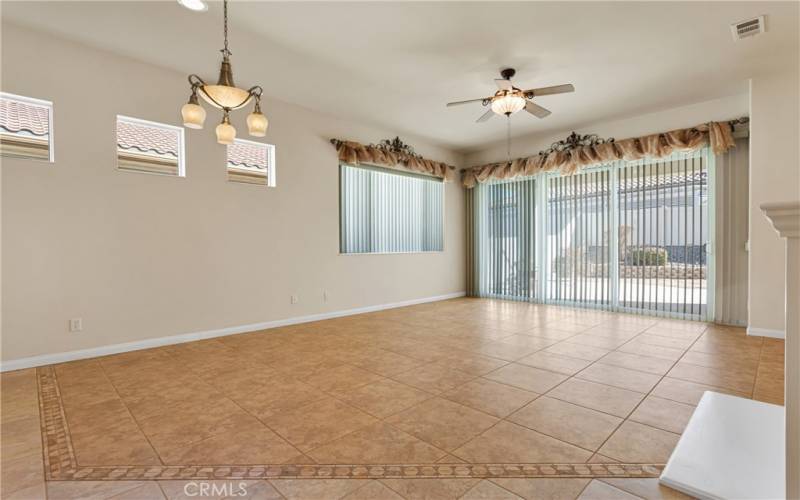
x=195 y=5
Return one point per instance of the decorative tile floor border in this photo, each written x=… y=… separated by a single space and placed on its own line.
x=61 y=464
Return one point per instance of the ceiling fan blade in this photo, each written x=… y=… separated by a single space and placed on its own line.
x=503 y=84
x=458 y=103
x=484 y=117
x=536 y=110
x=555 y=89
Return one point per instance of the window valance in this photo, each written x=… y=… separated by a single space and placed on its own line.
x=391 y=154
x=719 y=135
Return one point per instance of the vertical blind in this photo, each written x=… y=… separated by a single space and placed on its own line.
x=389 y=212
x=507 y=250
x=631 y=236
x=579 y=223
x=663 y=235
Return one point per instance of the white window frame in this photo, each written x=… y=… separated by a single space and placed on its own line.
x=50 y=129
x=271 y=178
x=181 y=144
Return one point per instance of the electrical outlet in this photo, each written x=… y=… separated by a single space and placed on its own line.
x=295 y=299
x=76 y=324
x=325 y=296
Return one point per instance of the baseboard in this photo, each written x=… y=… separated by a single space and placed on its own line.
x=764 y=332
x=49 y=359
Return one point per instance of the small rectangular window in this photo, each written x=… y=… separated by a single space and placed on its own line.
x=385 y=211
x=26 y=127
x=251 y=163
x=149 y=147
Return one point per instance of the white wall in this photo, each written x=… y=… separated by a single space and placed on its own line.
x=142 y=256
x=774 y=176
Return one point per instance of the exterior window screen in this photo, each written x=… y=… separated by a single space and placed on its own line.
x=149 y=147
x=663 y=234
x=506 y=229
x=382 y=211
x=578 y=235
x=26 y=127
x=251 y=163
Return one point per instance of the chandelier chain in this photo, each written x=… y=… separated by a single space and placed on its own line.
x=225 y=51
x=508 y=138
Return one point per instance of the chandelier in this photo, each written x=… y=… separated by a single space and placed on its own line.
x=224 y=95
x=508 y=102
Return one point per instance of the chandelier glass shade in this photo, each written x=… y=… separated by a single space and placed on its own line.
x=508 y=102
x=224 y=95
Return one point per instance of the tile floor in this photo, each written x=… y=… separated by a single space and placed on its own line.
x=461 y=381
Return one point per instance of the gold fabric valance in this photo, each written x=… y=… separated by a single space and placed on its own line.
x=354 y=153
x=719 y=135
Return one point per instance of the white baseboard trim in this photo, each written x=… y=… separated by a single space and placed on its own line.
x=764 y=332
x=93 y=352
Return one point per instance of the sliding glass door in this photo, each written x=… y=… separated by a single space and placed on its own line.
x=578 y=235
x=663 y=235
x=506 y=228
x=631 y=236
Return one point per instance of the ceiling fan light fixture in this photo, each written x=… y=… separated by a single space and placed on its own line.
x=508 y=102
x=195 y=5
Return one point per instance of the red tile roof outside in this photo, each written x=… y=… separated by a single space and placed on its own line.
x=19 y=118
x=248 y=155
x=147 y=138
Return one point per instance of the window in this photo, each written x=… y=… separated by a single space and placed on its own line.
x=630 y=236
x=149 y=147
x=26 y=127
x=383 y=211
x=251 y=163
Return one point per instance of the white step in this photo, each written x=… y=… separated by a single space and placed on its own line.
x=732 y=448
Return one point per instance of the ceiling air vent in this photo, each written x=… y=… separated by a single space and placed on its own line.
x=745 y=29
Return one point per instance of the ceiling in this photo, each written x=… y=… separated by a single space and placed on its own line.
x=396 y=64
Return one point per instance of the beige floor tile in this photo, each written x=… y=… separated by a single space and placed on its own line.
x=434 y=378
x=443 y=423
x=609 y=341
x=384 y=398
x=638 y=443
x=19 y=474
x=255 y=444
x=681 y=343
x=313 y=425
x=527 y=377
x=94 y=490
x=341 y=378
x=601 y=397
x=148 y=491
x=636 y=346
x=598 y=490
x=373 y=490
x=487 y=490
x=544 y=488
x=503 y=350
x=687 y=392
x=529 y=341
x=491 y=397
x=728 y=378
x=388 y=363
x=472 y=363
x=317 y=489
x=283 y=394
x=185 y=490
x=430 y=489
x=601 y=459
x=555 y=362
x=649 y=488
x=617 y=376
x=663 y=414
x=375 y=444
x=574 y=424
x=511 y=443
x=648 y=364
x=580 y=351
x=20 y=437
x=37 y=491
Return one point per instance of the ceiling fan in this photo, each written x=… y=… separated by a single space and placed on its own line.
x=509 y=99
